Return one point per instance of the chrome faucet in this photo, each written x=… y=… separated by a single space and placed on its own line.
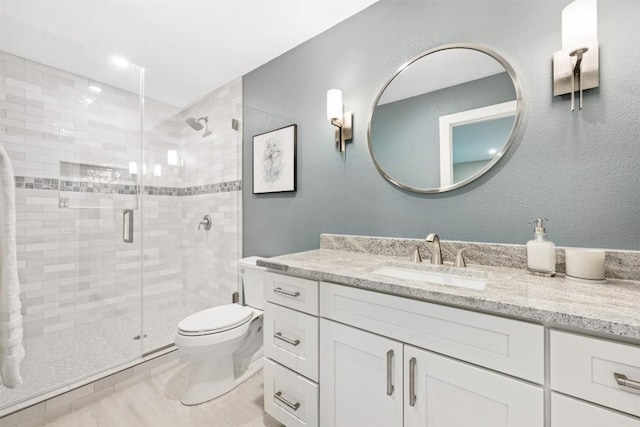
x=436 y=252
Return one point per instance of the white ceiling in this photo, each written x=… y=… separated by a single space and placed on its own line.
x=187 y=47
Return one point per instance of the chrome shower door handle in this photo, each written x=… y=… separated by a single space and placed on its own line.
x=390 y=387
x=127 y=225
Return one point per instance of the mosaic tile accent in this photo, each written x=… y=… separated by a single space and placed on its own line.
x=36 y=183
x=220 y=187
x=29 y=182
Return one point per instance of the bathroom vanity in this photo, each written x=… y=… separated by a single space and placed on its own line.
x=350 y=340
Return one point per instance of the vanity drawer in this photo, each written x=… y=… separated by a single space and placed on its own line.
x=294 y=292
x=291 y=338
x=569 y=412
x=505 y=345
x=289 y=397
x=585 y=367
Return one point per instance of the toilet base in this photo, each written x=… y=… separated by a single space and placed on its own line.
x=199 y=391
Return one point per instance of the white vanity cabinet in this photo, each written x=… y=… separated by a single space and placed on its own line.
x=361 y=378
x=600 y=371
x=443 y=392
x=291 y=349
x=340 y=356
x=368 y=378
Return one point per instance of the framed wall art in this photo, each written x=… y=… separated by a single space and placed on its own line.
x=274 y=161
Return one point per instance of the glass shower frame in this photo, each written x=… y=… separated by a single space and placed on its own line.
x=74 y=142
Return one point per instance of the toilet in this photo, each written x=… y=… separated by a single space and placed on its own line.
x=224 y=343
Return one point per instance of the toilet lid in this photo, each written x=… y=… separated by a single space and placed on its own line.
x=214 y=319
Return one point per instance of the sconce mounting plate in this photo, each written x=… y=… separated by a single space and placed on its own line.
x=563 y=68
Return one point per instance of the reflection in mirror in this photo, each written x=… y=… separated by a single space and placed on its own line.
x=444 y=119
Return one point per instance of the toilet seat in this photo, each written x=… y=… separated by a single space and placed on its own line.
x=215 y=320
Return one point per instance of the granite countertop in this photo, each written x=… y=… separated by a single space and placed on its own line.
x=611 y=308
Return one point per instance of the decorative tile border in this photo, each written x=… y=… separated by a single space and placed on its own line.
x=34 y=183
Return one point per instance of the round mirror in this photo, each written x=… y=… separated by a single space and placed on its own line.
x=445 y=118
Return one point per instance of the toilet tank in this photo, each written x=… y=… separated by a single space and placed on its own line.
x=251 y=280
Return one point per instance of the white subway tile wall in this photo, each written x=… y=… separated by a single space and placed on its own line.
x=209 y=269
x=74 y=267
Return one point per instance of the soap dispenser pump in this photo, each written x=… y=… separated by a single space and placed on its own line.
x=541 y=253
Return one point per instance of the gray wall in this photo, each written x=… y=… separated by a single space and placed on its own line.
x=580 y=169
x=406 y=133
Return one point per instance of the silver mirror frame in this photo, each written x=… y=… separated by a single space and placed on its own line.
x=512 y=134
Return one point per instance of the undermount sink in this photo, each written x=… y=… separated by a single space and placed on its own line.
x=439 y=277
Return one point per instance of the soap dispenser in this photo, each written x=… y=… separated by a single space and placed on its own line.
x=541 y=253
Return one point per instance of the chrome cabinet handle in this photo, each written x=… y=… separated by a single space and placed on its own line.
x=287 y=293
x=279 y=398
x=389 y=376
x=285 y=339
x=626 y=382
x=127 y=226
x=412 y=382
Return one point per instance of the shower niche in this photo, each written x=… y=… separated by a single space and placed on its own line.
x=89 y=186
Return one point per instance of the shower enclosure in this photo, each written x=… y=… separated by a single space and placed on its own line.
x=110 y=188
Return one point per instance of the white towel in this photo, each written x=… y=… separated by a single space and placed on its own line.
x=11 y=347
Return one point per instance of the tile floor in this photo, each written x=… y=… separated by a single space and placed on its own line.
x=52 y=361
x=156 y=402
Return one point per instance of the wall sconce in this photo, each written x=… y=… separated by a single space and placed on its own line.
x=173 y=159
x=133 y=168
x=577 y=62
x=339 y=118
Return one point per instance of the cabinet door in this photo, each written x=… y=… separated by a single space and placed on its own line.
x=443 y=392
x=568 y=412
x=360 y=378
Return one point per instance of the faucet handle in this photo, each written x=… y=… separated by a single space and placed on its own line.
x=206 y=221
x=460 y=261
x=415 y=257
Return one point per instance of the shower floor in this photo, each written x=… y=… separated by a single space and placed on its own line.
x=53 y=361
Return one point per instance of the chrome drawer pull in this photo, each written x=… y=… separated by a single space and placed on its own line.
x=412 y=382
x=389 y=369
x=285 y=339
x=287 y=293
x=626 y=382
x=281 y=399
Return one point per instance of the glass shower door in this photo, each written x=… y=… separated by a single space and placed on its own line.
x=76 y=148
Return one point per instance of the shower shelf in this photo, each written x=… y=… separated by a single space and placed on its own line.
x=90 y=186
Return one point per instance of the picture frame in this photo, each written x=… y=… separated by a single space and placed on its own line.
x=275 y=161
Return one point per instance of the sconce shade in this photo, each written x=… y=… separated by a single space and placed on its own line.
x=334 y=104
x=576 y=66
x=579 y=25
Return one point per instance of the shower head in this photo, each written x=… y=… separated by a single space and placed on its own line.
x=195 y=124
